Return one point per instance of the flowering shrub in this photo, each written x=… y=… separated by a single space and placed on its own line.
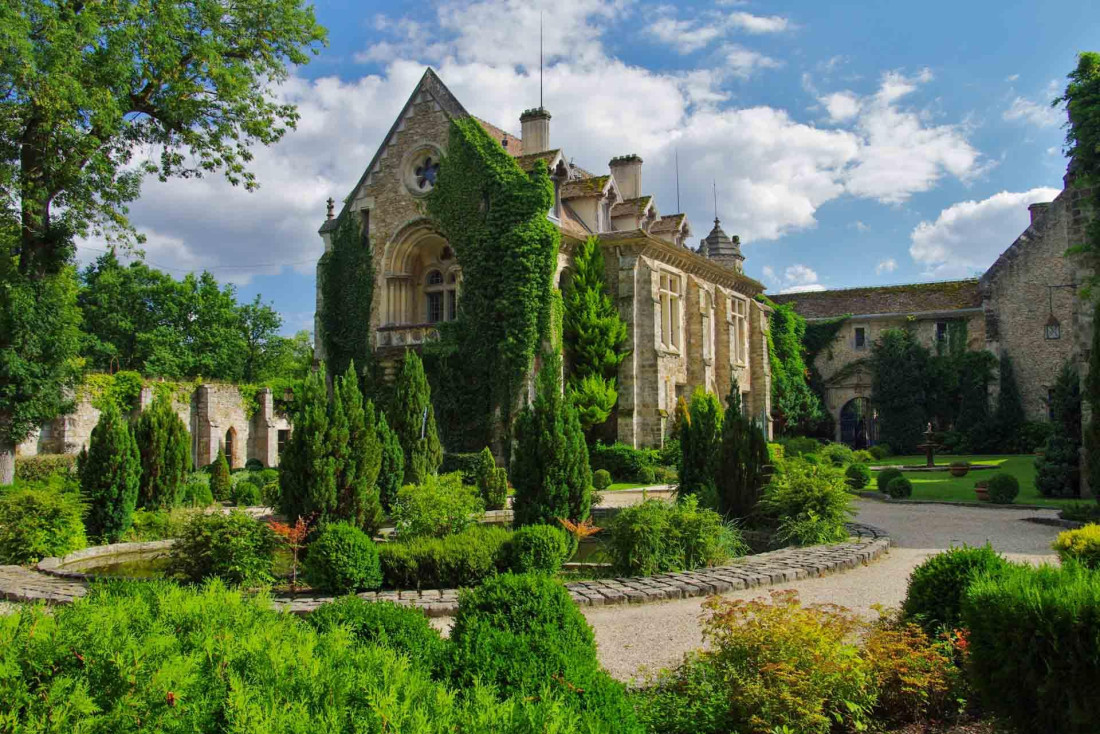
x=1081 y=545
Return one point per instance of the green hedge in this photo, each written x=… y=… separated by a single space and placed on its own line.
x=624 y=463
x=401 y=628
x=656 y=536
x=539 y=549
x=937 y=586
x=464 y=559
x=885 y=477
x=343 y=559
x=1035 y=647
x=38 y=523
x=40 y=468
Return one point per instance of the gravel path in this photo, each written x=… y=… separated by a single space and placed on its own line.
x=632 y=639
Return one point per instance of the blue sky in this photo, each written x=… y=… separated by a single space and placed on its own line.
x=851 y=143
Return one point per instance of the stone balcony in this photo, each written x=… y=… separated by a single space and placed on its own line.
x=406 y=335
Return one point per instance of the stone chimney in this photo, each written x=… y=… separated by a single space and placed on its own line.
x=627 y=170
x=535 y=124
x=1038 y=210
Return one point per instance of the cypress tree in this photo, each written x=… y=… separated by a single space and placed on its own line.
x=700 y=445
x=359 y=458
x=165 y=448
x=110 y=476
x=550 y=469
x=307 y=478
x=1057 y=472
x=391 y=473
x=1009 y=417
x=414 y=421
x=744 y=453
x=221 y=486
x=1092 y=396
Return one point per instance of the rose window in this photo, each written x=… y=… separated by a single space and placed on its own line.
x=425 y=173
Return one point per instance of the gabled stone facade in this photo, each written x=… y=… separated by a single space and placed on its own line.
x=693 y=321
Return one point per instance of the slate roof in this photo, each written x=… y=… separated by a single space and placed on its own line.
x=631 y=206
x=527 y=162
x=669 y=222
x=719 y=244
x=591 y=186
x=952 y=295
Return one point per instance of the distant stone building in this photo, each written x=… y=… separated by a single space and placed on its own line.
x=692 y=318
x=1025 y=305
x=215 y=414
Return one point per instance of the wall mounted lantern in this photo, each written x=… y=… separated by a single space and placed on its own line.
x=1053 y=328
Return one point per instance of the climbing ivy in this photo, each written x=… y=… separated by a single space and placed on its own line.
x=493 y=215
x=1081 y=99
x=346 y=274
x=796 y=407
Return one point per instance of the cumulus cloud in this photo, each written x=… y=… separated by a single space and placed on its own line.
x=1034 y=113
x=841 y=106
x=968 y=236
x=797 y=278
x=758 y=23
x=744 y=62
x=773 y=172
x=688 y=35
x=888 y=265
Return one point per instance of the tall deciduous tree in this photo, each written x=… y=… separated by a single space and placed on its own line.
x=550 y=468
x=164 y=445
x=86 y=87
x=110 y=475
x=414 y=420
x=260 y=324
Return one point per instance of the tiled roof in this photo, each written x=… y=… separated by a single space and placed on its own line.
x=515 y=142
x=593 y=186
x=669 y=222
x=527 y=162
x=950 y=295
x=631 y=206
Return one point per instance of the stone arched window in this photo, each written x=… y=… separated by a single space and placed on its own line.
x=440 y=296
x=230 y=445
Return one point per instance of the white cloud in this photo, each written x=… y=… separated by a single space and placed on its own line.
x=773 y=172
x=1012 y=77
x=742 y=62
x=888 y=265
x=859 y=226
x=684 y=36
x=1034 y=113
x=968 y=236
x=797 y=278
x=841 y=106
x=758 y=23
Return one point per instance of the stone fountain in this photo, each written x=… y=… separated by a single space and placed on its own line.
x=929 y=447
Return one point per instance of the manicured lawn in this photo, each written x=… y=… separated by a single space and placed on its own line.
x=615 y=486
x=943 y=486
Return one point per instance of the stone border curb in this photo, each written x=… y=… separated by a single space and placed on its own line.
x=53 y=565
x=868 y=543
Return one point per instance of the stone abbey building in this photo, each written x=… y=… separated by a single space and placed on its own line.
x=1025 y=305
x=691 y=314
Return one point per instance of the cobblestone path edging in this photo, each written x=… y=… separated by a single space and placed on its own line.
x=782 y=566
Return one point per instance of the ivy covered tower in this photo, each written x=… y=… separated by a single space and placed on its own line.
x=723 y=249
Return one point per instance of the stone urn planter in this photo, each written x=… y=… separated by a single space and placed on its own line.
x=982 y=490
x=959 y=469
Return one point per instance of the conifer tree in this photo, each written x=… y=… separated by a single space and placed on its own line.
x=359 y=458
x=1009 y=418
x=744 y=453
x=414 y=421
x=593 y=334
x=307 y=478
x=391 y=473
x=1057 y=472
x=110 y=476
x=700 y=445
x=221 y=486
x=165 y=448
x=550 y=469
x=1092 y=397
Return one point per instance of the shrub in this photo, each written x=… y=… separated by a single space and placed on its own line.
x=1081 y=546
x=880 y=451
x=656 y=536
x=157 y=525
x=700 y=446
x=862 y=456
x=601 y=479
x=665 y=475
x=776 y=452
x=232 y=547
x=464 y=559
x=811 y=459
x=799 y=446
x=1085 y=512
x=164 y=445
x=442 y=505
x=523 y=634
x=900 y=488
x=1003 y=489
x=809 y=503
x=786 y=667
x=538 y=549
x=647 y=475
x=492 y=481
x=624 y=463
x=1034 y=648
x=40 y=468
x=221 y=485
x=403 y=629
x=196 y=491
x=837 y=454
x=254 y=464
x=110 y=475
x=937 y=586
x=247 y=494
x=469 y=465
x=885 y=477
x=38 y=523
x=858 y=476
x=343 y=559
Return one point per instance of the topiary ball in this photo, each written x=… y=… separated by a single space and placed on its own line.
x=858 y=476
x=342 y=560
x=899 y=488
x=1003 y=489
x=937 y=586
x=538 y=549
x=601 y=479
x=886 y=476
x=400 y=628
x=646 y=475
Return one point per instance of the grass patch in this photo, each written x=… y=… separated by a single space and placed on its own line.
x=943 y=487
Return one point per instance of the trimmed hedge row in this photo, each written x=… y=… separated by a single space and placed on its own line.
x=625 y=463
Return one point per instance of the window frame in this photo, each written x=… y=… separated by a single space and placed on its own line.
x=737 y=313
x=859 y=337
x=671 y=305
